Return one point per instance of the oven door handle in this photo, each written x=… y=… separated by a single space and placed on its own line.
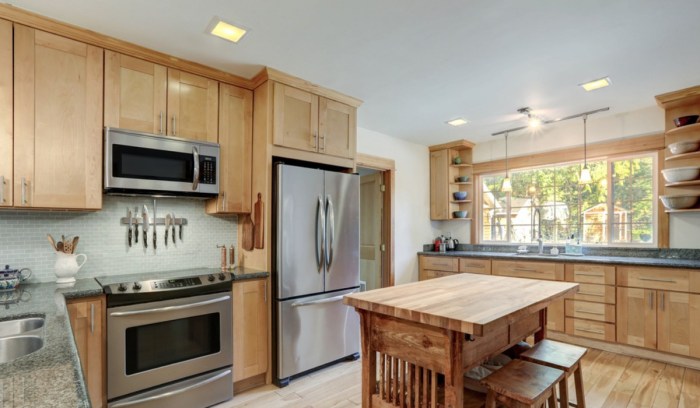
x=171 y=308
x=172 y=393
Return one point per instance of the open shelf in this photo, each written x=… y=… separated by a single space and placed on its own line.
x=691 y=155
x=683 y=129
x=682 y=211
x=459 y=219
x=460 y=201
x=689 y=183
x=461 y=165
x=460 y=182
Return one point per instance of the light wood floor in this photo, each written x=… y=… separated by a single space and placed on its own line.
x=610 y=380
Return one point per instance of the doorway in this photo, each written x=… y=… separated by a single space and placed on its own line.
x=376 y=221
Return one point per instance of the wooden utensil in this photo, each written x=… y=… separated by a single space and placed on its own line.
x=53 y=243
x=247 y=233
x=75 y=244
x=59 y=246
x=258 y=223
x=68 y=247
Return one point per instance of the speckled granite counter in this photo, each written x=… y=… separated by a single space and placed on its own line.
x=51 y=376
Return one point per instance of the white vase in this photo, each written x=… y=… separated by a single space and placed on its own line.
x=67 y=266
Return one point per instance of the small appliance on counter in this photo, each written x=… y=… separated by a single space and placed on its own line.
x=10 y=279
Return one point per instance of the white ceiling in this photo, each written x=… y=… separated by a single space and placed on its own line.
x=418 y=63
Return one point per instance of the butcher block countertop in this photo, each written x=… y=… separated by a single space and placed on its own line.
x=468 y=303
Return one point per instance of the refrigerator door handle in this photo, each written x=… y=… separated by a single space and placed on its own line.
x=320 y=301
x=320 y=233
x=330 y=233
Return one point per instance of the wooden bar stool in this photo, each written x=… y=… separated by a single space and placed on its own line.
x=564 y=357
x=521 y=384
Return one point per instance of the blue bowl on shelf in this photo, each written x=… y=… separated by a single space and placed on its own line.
x=459 y=214
x=460 y=195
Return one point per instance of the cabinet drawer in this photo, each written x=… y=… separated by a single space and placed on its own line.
x=590 y=329
x=524 y=327
x=430 y=274
x=439 y=263
x=678 y=280
x=595 y=293
x=590 y=273
x=533 y=270
x=475 y=265
x=589 y=310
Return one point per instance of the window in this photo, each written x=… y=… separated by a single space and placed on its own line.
x=617 y=208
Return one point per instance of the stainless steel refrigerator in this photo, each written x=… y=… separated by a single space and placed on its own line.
x=316 y=262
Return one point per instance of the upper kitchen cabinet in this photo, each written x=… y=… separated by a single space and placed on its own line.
x=5 y=113
x=337 y=128
x=58 y=86
x=236 y=140
x=135 y=94
x=147 y=97
x=451 y=181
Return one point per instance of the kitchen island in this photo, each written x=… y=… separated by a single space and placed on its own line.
x=414 y=333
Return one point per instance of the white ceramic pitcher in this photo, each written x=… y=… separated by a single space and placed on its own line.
x=67 y=266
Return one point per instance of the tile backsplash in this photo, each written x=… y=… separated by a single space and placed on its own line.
x=103 y=239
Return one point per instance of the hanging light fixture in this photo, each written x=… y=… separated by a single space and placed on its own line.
x=585 y=177
x=506 y=187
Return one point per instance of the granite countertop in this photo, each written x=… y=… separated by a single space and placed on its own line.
x=51 y=376
x=617 y=260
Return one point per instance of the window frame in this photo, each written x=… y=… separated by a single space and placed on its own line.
x=652 y=154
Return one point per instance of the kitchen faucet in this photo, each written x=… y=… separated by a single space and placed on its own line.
x=540 y=244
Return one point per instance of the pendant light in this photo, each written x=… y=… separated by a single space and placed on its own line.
x=585 y=177
x=506 y=187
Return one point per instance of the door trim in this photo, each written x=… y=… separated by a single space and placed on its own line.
x=388 y=169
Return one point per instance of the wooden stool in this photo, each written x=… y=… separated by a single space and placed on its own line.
x=564 y=357
x=522 y=384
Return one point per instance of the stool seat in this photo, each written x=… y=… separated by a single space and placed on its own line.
x=555 y=354
x=527 y=383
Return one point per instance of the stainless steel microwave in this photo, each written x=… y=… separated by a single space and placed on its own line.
x=144 y=164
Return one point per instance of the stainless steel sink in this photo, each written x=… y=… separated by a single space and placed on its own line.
x=536 y=254
x=18 y=346
x=20 y=326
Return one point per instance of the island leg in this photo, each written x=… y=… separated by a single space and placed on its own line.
x=454 y=380
x=369 y=359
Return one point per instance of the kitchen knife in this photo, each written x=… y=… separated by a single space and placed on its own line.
x=167 y=228
x=172 y=214
x=155 y=229
x=136 y=226
x=146 y=221
x=128 y=214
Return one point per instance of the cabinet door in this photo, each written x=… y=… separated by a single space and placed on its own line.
x=236 y=140
x=678 y=317
x=439 y=193
x=295 y=122
x=337 y=128
x=87 y=321
x=555 y=315
x=426 y=274
x=5 y=113
x=58 y=122
x=636 y=317
x=135 y=93
x=250 y=328
x=193 y=103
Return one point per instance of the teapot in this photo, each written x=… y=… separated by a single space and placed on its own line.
x=11 y=278
x=451 y=244
x=67 y=266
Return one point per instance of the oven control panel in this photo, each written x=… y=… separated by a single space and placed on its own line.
x=175 y=283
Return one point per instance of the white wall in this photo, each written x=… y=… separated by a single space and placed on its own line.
x=600 y=128
x=412 y=226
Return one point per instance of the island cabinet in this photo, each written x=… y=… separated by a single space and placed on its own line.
x=537 y=270
x=250 y=333
x=5 y=114
x=659 y=308
x=591 y=312
x=87 y=319
x=147 y=97
x=57 y=121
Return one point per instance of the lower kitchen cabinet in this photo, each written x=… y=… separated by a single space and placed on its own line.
x=87 y=319
x=555 y=315
x=250 y=332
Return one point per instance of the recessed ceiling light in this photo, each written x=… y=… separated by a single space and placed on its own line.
x=227 y=31
x=457 y=122
x=596 y=84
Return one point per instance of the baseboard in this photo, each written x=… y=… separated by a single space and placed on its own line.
x=249 y=383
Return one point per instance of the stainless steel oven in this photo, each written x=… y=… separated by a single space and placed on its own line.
x=141 y=163
x=170 y=341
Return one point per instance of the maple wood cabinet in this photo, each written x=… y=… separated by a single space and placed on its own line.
x=444 y=182
x=57 y=121
x=147 y=97
x=6 y=150
x=87 y=319
x=236 y=140
x=305 y=121
x=250 y=329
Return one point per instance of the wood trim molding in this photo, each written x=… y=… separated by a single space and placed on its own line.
x=268 y=73
x=42 y=23
x=296 y=154
x=595 y=150
x=457 y=144
x=388 y=168
x=674 y=99
x=663 y=220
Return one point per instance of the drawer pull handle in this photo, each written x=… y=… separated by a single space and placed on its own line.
x=475 y=266
x=527 y=270
x=590 y=294
x=644 y=278
x=591 y=331
x=596 y=275
x=589 y=312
